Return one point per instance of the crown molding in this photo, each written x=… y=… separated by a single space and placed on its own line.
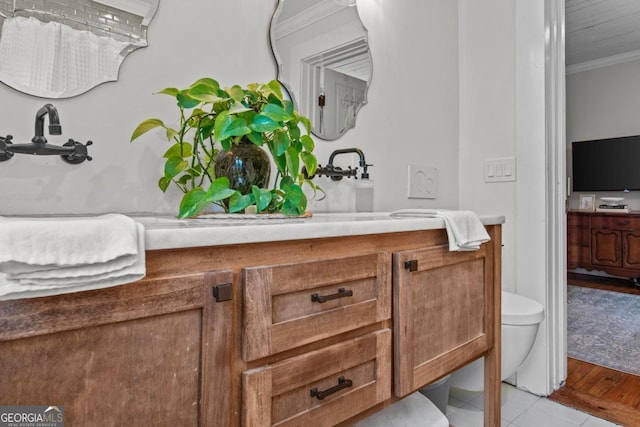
x=604 y=62
x=309 y=16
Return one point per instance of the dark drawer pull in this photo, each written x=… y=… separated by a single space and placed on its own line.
x=342 y=384
x=342 y=292
x=625 y=222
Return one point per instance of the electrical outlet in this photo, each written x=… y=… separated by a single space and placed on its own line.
x=422 y=182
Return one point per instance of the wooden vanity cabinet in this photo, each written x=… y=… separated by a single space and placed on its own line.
x=292 y=333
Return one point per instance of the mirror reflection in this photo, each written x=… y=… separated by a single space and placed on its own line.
x=324 y=61
x=62 y=49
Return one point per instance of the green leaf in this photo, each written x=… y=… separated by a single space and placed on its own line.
x=262 y=197
x=235 y=127
x=275 y=86
x=307 y=143
x=262 y=123
x=223 y=120
x=310 y=162
x=288 y=106
x=294 y=130
x=238 y=202
x=219 y=190
x=292 y=209
x=171 y=133
x=204 y=93
x=238 y=107
x=276 y=113
x=145 y=127
x=171 y=91
x=185 y=101
x=207 y=81
x=163 y=183
x=181 y=149
x=193 y=202
x=174 y=165
x=306 y=122
x=280 y=161
x=256 y=138
x=236 y=93
x=293 y=161
x=281 y=142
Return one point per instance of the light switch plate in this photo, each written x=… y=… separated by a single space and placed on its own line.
x=422 y=182
x=500 y=170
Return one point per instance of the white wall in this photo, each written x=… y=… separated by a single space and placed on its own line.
x=487 y=114
x=502 y=114
x=603 y=103
x=412 y=114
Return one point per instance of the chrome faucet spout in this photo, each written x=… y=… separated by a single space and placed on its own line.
x=54 y=123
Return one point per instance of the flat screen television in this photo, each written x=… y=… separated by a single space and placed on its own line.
x=611 y=164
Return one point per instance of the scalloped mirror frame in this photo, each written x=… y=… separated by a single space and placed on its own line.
x=96 y=44
x=322 y=52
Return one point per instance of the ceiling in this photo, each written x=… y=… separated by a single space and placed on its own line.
x=598 y=29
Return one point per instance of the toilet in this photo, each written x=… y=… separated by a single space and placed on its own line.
x=521 y=317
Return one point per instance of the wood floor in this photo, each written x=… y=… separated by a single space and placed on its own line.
x=600 y=391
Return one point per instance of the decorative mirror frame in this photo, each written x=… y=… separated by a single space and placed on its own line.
x=325 y=82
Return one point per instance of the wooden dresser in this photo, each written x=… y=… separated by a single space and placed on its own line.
x=310 y=332
x=607 y=242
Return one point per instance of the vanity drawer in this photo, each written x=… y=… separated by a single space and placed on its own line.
x=615 y=222
x=322 y=387
x=290 y=305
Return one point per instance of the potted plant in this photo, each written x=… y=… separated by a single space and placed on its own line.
x=213 y=122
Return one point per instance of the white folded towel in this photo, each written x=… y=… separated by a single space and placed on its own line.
x=49 y=256
x=464 y=228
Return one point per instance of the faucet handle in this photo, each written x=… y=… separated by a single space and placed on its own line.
x=5 y=154
x=79 y=153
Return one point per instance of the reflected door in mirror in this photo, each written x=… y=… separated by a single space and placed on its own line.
x=323 y=60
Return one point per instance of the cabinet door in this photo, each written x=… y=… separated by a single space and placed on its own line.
x=443 y=312
x=290 y=305
x=606 y=247
x=631 y=247
x=321 y=388
x=126 y=355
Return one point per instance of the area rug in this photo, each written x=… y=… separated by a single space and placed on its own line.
x=604 y=328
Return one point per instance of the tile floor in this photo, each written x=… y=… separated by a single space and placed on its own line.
x=519 y=409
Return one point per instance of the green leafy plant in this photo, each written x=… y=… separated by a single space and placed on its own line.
x=213 y=119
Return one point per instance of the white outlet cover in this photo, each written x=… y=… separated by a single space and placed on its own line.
x=422 y=182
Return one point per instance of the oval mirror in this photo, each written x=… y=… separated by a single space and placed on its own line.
x=324 y=61
x=51 y=53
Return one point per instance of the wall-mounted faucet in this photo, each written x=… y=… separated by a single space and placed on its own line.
x=72 y=151
x=336 y=173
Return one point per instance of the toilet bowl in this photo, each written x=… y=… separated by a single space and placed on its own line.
x=521 y=317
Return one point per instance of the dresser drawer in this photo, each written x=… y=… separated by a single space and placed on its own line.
x=290 y=305
x=577 y=220
x=615 y=222
x=322 y=387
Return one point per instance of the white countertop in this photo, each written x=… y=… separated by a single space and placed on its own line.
x=165 y=232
